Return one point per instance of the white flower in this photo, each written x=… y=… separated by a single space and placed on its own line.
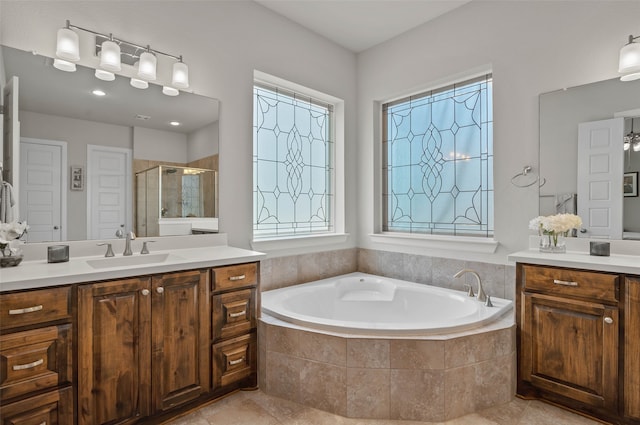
x=11 y=231
x=557 y=224
x=536 y=223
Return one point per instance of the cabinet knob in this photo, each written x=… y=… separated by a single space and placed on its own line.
x=608 y=320
x=145 y=292
x=159 y=289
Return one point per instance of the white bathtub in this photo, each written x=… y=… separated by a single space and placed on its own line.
x=371 y=305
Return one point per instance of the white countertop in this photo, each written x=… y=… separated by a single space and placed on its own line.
x=616 y=263
x=39 y=273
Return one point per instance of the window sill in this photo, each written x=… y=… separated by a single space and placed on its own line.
x=295 y=242
x=452 y=243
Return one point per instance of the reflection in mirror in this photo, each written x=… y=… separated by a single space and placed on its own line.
x=171 y=201
x=64 y=125
x=591 y=162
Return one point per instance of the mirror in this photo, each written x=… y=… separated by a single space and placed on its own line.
x=127 y=130
x=560 y=114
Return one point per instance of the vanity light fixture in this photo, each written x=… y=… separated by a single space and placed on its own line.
x=64 y=65
x=114 y=52
x=629 y=60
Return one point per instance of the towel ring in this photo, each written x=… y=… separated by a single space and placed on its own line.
x=525 y=171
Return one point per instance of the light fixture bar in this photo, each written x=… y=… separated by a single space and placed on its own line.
x=119 y=40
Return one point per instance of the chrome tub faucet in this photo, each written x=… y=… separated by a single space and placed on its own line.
x=481 y=294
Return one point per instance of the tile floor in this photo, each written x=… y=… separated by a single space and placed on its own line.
x=257 y=408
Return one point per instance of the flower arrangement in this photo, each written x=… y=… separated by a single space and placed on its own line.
x=10 y=232
x=555 y=228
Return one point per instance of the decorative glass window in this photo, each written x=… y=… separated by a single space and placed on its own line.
x=438 y=161
x=292 y=163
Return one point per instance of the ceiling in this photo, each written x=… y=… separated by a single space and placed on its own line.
x=360 y=24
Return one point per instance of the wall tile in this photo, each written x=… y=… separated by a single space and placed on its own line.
x=368 y=353
x=323 y=386
x=343 y=261
x=510 y=282
x=417 y=268
x=491 y=275
x=283 y=340
x=416 y=354
x=479 y=347
x=367 y=261
x=284 y=272
x=323 y=348
x=282 y=375
x=416 y=395
x=442 y=273
x=368 y=393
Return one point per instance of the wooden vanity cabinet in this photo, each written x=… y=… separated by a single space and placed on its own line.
x=142 y=346
x=632 y=349
x=36 y=368
x=578 y=332
x=234 y=340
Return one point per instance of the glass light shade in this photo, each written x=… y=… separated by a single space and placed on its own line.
x=68 y=46
x=147 y=66
x=110 y=56
x=103 y=75
x=636 y=146
x=629 y=59
x=170 y=91
x=63 y=65
x=630 y=77
x=180 y=78
x=626 y=145
x=138 y=83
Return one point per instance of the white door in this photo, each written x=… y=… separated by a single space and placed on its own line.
x=108 y=191
x=43 y=165
x=600 y=161
x=11 y=138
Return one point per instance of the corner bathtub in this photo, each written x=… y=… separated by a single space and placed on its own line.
x=364 y=346
x=371 y=305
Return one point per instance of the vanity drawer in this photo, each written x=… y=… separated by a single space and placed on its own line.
x=34 y=307
x=55 y=407
x=233 y=313
x=34 y=360
x=233 y=277
x=234 y=360
x=583 y=284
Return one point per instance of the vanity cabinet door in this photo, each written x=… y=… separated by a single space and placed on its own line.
x=114 y=351
x=180 y=337
x=570 y=347
x=632 y=349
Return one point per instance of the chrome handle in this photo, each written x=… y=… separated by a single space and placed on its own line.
x=234 y=278
x=28 y=365
x=159 y=289
x=608 y=320
x=235 y=362
x=564 y=282
x=145 y=292
x=241 y=313
x=26 y=310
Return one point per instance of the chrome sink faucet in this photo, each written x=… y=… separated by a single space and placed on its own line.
x=481 y=295
x=127 y=247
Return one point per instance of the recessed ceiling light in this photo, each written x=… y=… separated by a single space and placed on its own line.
x=143 y=117
x=174 y=123
x=98 y=92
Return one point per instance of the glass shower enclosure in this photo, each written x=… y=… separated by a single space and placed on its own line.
x=173 y=200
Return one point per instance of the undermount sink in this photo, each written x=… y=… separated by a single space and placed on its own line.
x=134 y=260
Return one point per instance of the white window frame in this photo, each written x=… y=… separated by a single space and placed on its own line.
x=338 y=234
x=474 y=244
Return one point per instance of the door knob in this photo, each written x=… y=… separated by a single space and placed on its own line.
x=608 y=320
x=159 y=289
x=145 y=292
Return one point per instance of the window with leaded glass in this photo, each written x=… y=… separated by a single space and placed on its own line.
x=292 y=163
x=438 y=161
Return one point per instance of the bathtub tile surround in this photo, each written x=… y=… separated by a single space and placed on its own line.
x=280 y=272
x=380 y=378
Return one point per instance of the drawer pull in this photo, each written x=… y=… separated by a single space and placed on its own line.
x=608 y=320
x=238 y=314
x=234 y=278
x=26 y=310
x=564 y=282
x=28 y=365
x=235 y=362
